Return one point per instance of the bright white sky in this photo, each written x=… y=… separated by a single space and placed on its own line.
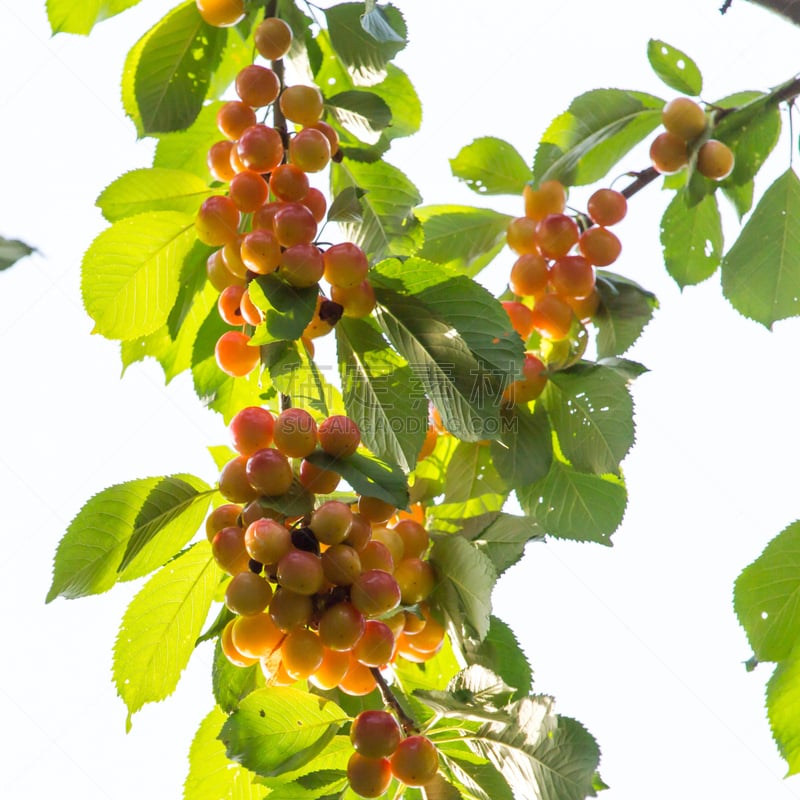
x=638 y=641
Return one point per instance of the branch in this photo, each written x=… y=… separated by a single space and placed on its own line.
x=788 y=9
x=408 y=725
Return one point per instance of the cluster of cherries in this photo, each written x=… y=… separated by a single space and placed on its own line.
x=268 y=220
x=327 y=596
x=554 y=274
x=685 y=124
x=382 y=752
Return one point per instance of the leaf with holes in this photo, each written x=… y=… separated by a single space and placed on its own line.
x=674 y=67
x=491 y=166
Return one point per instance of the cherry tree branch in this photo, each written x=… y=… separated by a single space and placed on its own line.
x=789 y=9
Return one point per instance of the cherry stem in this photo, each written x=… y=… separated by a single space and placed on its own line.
x=407 y=723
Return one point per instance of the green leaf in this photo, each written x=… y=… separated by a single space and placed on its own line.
x=80 y=16
x=674 y=67
x=376 y=24
x=491 y=166
x=12 y=250
x=212 y=776
x=456 y=337
x=153 y=189
x=783 y=708
x=172 y=344
x=176 y=60
x=692 y=240
x=740 y=196
x=287 y=309
x=584 y=143
x=752 y=142
x=160 y=626
x=766 y=595
x=466 y=575
x=364 y=114
x=524 y=451
x=381 y=393
x=170 y=516
x=625 y=309
x=365 y=56
x=367 y=475
x=294 y=503
x=543 y=757
x=592 y=413
x=573 y=505
x=482 y=781
x=130 y=275
x=387 y=226
x=462 y=237
x=333 y=759
x=505 y=537
x=187 y=150
x=276 y=730
x=396 y=90
x=472 y=478
x=501 y=653
x=231 y=683
x=761 y=272
x=346 y=206
x=90 y=553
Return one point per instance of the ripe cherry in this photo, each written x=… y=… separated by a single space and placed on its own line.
x=715 y=160
x=357 y=301
x=684 y=118
x=269 y=472
x=310 y=150
x=607 y=207
x=234 y=118
x=301 y=265
x=415 y=762
x=221 y=13
x=267 y=541
x=572 y=276
x=260 y=148
x=346 y=265
x=521 y=235
x=302 y=104
x=520 y=316
x=260 y=251
x=273 y=38
x=217 y=221
x=234 y=355
x=552 y=316
x=368 y=777
x=375 y=734
x=549 y=198
x=339 y=436
x=257 y=86
x=668 y=153
x=599 y=246
x=295 y=433
x=529 y=275
x=247 y=593
x=288 y=182
x=556 y=234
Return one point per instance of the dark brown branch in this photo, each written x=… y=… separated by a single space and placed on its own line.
x=408 y=725
x=788 y=9
x=642 y=179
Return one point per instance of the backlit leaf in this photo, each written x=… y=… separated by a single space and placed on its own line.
x=161 y=625
x=766 y=596
x=491 y=166
x=674 y=67
x=12 y=250
x=276 y=730
x=592 y=412
x=625 y=309
x=212 y=776
x=153 y=189
x=175 y=62
x=761 y=272
x=130 y=275
x=90 y=553
x=600 y=127
x=783 y=708
x=80 y=16
x=575 y=505
x=691 y=238
x=462 y=237
x=381 y=393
